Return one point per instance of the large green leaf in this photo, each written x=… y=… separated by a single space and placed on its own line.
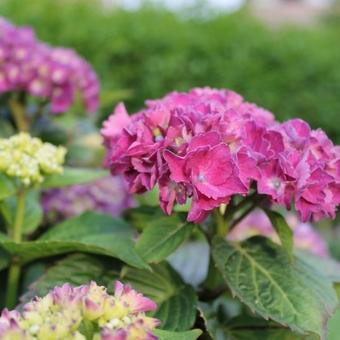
x=282 y=229
x=75 y=269
x=189 y=335
x=334 y=326
x=88 y=223
x=176 y=300
x=33 y=212
x=7 y=187
x=216 y=313
x=249 y=328
x=89 y=233
x=326 y=265
x=219 y=326
x=263 y=276
x=162 y=237
x=72 y=176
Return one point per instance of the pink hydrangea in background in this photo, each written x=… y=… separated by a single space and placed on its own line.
x=53 y=74
x=208 y=145
x=108 y=195
x=257 y=223
x=60 y=314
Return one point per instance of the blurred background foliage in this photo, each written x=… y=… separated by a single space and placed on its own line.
x=292 y=71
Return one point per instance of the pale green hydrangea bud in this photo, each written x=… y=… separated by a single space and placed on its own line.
x=29 y=159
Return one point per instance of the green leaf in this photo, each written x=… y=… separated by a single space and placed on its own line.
x=140 y=217
x=88 y=223
x=282 y=229
x=89 y=233
x=262 y=275
x=162 y=237
x=215 y=314
x=334 y=326
x=250 y=328
x=176 y=300
x=189 y=335
x=326 y=265
x=7 y=187
x=73 y=176
x=76 y=269
x=33 y=212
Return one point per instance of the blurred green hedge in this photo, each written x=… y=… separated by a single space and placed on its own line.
x=293 y=72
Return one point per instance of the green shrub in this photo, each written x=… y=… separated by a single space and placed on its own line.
x=293 y=72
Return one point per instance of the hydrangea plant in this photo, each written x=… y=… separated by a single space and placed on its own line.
x=206 y=249
x=220 y=157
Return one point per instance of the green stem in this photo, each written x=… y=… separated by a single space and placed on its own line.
x=18 y=113
x=221 y=223
x=15 y=268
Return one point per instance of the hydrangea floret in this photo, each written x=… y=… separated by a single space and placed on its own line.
x=210 y=145
x=28 y=159
x=53 y=74
x=76 y=313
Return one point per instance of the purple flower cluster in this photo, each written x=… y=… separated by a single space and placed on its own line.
x=305 y=236
x=108 y=195
x=53 y=74
x=208 y=145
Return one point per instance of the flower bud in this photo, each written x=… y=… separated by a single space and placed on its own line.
x=29 y=159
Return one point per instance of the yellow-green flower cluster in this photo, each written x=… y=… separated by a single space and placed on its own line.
x=80 y=313
x=29 y=159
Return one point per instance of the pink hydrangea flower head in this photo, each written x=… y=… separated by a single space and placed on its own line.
x=55 y=75
x=208 y=145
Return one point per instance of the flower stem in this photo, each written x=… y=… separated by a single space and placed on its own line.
x=221 y=223
x=15 y=268
x=18 y=113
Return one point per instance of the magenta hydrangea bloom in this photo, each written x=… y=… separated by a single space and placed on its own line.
x=108 y=195
x=208 y=145
x=304 y=235
x=53 y=74
x=61 y=313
